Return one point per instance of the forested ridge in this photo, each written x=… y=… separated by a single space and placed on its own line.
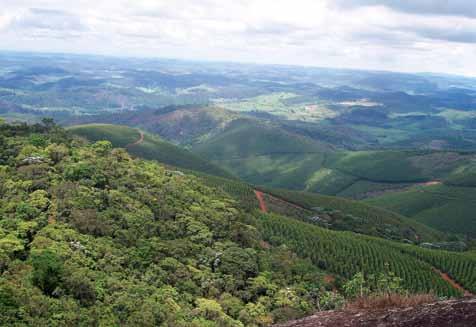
x=90 y=236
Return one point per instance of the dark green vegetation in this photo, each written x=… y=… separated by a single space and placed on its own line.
x=344 y=214
x=262 y=153
x=91 y=236
x=434 y=187
x=446 y=208
x=249 y=138
x=147 y=146
x=347 y=254
x=337 y=213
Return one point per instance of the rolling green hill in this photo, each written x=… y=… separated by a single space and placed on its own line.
x=359 y=217
x=433 y=187
x=443 y=207
x=401 y=166
x=147 y=146
x=245 y=138
x=264 y=154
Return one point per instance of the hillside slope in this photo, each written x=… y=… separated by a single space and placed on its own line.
x=377 y=222
x=90 y=236
x=433 y=187
x=147 y=146
x=262 y=153
x=443 y=207
x=345 y=214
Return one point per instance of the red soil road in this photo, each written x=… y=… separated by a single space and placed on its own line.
x=139 y=141
x=452 y=282
x=262 y=203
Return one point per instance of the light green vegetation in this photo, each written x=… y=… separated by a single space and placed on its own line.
x=90 y=236
x=275 y=104
x=329 y=181
x=241 y=192
x=454 y=115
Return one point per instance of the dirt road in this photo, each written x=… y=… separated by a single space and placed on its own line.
x=262 y=203
x=139 y=141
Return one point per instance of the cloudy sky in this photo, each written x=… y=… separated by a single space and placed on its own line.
x=399 y=35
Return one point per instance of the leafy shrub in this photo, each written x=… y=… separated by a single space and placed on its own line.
x=47 y=271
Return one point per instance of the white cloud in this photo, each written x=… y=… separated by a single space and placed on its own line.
x=356 y=34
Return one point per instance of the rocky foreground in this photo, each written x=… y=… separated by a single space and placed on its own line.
x=453 y=313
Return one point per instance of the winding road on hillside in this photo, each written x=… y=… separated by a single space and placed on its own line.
x=452 y=282
x=139 y=141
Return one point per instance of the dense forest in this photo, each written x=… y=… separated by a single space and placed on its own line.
x=90 y=236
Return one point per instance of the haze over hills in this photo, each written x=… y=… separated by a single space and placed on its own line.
x=251 y=163
x=376 y=136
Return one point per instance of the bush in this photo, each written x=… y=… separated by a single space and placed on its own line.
x=78 y=171
x=81 y=288
x=57 y=152
x=239 y=262
x=47 y=271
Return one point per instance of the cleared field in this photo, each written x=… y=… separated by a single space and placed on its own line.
x=282 y=105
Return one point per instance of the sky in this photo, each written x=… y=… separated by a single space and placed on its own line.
x=398 y=35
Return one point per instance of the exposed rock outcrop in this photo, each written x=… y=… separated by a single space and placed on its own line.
x=453 y=313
